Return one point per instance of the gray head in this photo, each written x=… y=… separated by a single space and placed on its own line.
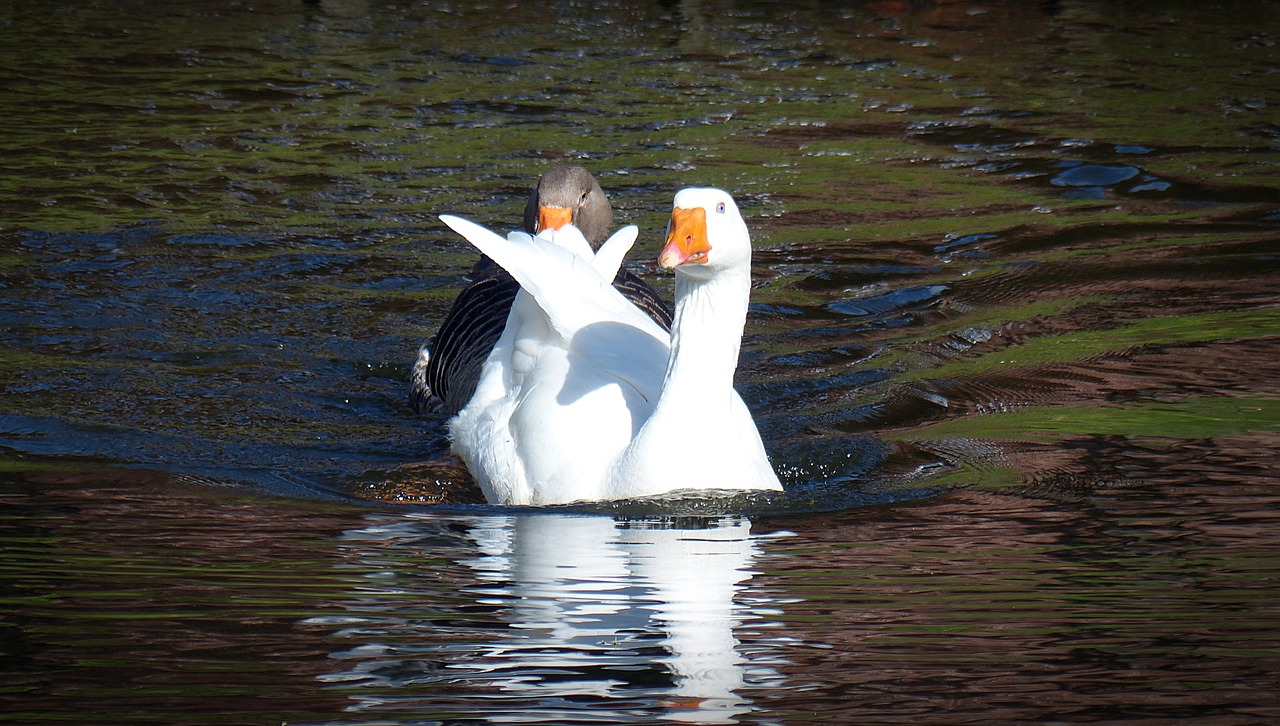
x=569 y=195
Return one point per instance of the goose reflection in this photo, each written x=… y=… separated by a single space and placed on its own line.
x=541 y=617
x=613 y=608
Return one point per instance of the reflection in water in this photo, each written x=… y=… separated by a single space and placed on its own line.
x=589 y=608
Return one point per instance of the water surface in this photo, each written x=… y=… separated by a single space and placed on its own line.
x=1013 y=347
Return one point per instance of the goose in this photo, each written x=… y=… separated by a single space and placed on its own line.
x=448 y=366
x=585 y=397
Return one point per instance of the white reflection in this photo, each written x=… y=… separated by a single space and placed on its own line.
x=600 y=607
x=538 y=617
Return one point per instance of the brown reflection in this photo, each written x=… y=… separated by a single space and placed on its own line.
x=131 y=595
x=1149 y=600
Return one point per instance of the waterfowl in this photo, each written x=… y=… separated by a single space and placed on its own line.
x=585 y=397
x=448 y=366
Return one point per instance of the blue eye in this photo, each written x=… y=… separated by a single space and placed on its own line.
x=720 y=208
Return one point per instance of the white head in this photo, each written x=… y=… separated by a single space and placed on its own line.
x=706 y=233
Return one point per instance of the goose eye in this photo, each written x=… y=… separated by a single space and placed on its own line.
x=583 y=199
x=720 y=208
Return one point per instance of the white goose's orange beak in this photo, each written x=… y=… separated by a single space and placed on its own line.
x=553 y=217
x=687 y=241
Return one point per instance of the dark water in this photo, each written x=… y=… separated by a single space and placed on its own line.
x=1014 y=345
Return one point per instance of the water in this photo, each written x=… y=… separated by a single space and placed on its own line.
x=1013 y=346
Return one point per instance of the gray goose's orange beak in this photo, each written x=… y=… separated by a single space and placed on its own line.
x=553 y=217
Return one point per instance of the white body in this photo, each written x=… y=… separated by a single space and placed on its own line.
x=586 y=398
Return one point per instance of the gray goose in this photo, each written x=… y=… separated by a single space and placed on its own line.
x=448 y=366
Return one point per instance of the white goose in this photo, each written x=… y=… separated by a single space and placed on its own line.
x=586 y=398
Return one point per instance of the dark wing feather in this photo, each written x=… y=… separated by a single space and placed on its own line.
x=644 y=297
x=458 y=351
x=465 y=339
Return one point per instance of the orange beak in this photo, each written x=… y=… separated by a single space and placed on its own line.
x=687 y=240
x=553 y=217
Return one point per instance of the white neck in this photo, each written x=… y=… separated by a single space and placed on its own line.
x=697 y=397
x=705 y=338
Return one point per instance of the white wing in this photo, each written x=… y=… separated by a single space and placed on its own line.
x=602 y=328
x=570 y=289
x=608 y=259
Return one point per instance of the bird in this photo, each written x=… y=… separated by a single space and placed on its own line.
x=586 y=398
x=448 y=365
